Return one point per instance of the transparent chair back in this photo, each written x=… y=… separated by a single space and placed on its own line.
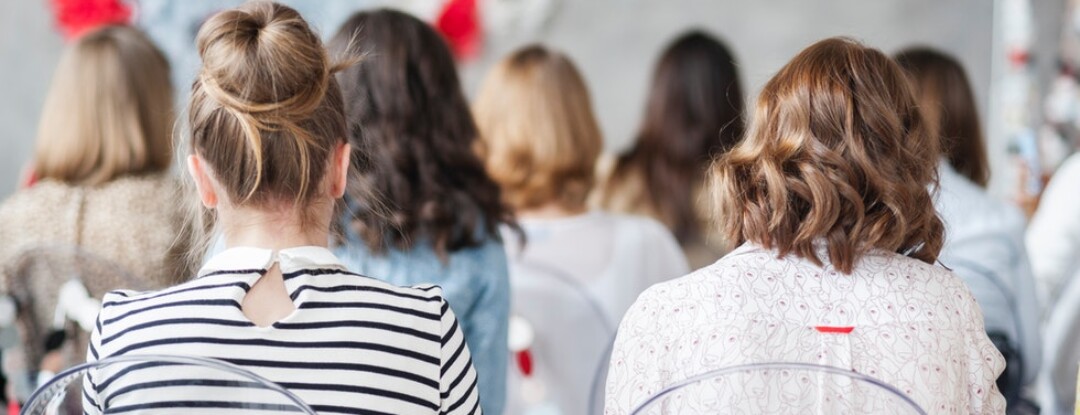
x=983 y=262
x=161 y=384
x=40 y=275
x=779 y=388
x=571 y=344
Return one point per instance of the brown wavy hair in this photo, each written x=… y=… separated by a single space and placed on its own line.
x=412 y=133
x=694 y=113
x=838 y=156
x=948 y=104
x=265 y=111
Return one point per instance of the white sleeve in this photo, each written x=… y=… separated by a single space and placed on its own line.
x=1053 y=237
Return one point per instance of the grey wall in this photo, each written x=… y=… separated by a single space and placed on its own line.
x=29 y=48
x=613 y=41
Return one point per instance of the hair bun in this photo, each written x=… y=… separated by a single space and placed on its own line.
x=262 y=59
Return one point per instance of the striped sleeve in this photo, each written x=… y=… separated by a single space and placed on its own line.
x=90 y=399
x=457 y=377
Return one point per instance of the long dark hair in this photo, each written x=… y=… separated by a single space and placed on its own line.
x=947 y=101
x=694 y=113
x=412 y=135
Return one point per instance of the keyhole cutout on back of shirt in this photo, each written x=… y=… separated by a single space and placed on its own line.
x=268 y=301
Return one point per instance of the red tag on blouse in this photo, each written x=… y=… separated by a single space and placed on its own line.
x=834 y=329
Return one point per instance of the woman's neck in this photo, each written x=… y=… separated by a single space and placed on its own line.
x=551 y=210
x=271 y=230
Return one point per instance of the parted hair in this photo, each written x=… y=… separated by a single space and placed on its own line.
x=838 y=156
x=109 y=110
x=265 y=111
x=413 y=136
x=539 y=137
x=948 y=104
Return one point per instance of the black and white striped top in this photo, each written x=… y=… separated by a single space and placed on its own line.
x=354 y=345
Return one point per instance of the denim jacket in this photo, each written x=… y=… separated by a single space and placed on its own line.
x=474 y=282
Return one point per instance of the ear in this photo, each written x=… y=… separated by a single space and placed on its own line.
x=339 y=171
x=203 y=182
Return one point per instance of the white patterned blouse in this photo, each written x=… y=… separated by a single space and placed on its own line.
x=910 y=324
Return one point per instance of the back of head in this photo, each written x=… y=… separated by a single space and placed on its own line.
x=539 y=138
x=838 y=156
x=694 y=112
x=948 y=104
x=411 y=125
x=265 y=111
x=109 y=111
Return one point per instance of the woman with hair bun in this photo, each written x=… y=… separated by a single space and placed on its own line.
x=829 y=194
x=270 y=158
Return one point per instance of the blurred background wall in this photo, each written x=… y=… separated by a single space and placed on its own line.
x=613 y=41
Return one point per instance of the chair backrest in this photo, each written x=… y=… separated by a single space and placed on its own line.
x=570 y=347
x=166 y=384
x=38 y=275
x=779 y=388
x=981 y=262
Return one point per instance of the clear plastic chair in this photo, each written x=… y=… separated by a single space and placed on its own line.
x=779 y=388
x=986 y=262
x=162 y=384
x=47 y=327
x=571 y=343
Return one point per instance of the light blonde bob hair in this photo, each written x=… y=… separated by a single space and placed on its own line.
x=109 y=111
x=538 y=136
x=837 y=156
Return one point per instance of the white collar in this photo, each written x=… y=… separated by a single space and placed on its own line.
x=289 y=259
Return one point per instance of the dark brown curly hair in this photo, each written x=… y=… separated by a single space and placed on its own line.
x=412 y=135
x=837 y=156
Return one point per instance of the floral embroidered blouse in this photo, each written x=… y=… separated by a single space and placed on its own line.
x=913 y=325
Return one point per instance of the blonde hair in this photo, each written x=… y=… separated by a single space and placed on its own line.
x=109 y=110
x=265 y=110
x=837 y=155
x=538 y=136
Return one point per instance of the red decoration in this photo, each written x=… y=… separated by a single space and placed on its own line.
x=524 y=362
x=76 y=17
x=459 y=23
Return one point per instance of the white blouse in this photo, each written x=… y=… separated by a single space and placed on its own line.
x=1053 y=236
x=914 y=326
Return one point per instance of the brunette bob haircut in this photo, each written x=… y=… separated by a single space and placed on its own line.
x=837 y=157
